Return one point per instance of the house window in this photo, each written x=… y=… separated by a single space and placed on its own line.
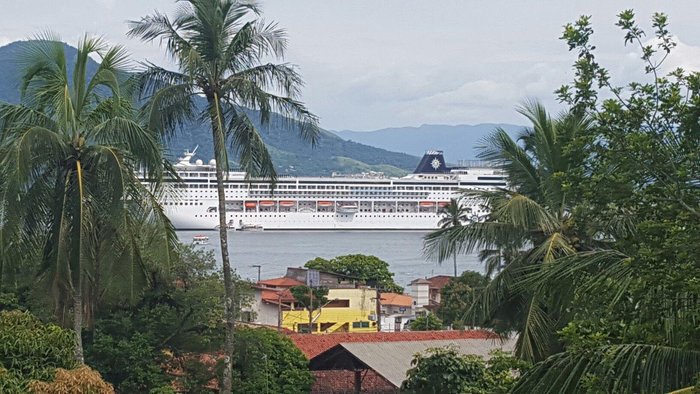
x=360 y=324
x=338 y=303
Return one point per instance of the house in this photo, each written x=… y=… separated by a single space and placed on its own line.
x=426 y=292
x=378 y=362
x=396 y=311
x=351 y=307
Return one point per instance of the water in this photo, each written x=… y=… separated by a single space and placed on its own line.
x=277 y=250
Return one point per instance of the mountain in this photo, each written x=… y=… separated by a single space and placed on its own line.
x=457 y=142
x=291 y=155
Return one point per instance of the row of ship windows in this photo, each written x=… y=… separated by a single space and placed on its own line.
x=321 y=216
x=339 y=187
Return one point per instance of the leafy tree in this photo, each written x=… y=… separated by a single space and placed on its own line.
x=370 y=269
x=69 y=155
x=182 y=314
x=219 y=49
x=530 y=224
x=429 y=322
x=454 y=214
x=267 y=361
x=81 y=380
x=635 y=300
x=310 y=298
x=31 y=350
x=444 y=370
x=458 y=295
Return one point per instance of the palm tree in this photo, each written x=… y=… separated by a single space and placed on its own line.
x=528 y=226
x=453 y=214
x=219 y=48
x=69 y=154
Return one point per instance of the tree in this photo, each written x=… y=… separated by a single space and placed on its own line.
x=70 y=152
x=454 y=214
x=180 y=315
x=219 y=49
x=310 y=298
x=31 y=350
x=530 y=224
x=267 y=361
x=370 y=269
x=444 y=370
x=635 y=308
x=429 y=322
x=457 y=297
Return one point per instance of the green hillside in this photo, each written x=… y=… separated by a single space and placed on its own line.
x=291 y=155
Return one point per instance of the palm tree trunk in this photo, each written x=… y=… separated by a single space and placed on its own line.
x=78 y=326
x=229 y=315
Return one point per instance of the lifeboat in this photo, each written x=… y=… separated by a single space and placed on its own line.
x=251 y=204
x=426 y=204
x=325 y=203
x=443 y=204
x=347 y=208
x=267 y=203
x=287 y=203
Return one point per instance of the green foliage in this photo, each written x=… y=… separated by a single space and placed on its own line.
x=31 y=350
x=429 y=322
x=182 y=314
x=267 y=361
x=457 y=297
x=634 y=303
x=444 y=370
x=370 y=269
x=309 y=298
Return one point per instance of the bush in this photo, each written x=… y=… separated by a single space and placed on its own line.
x=429 y=322
x=266 y=361
x=32 y=350
x=82 y=380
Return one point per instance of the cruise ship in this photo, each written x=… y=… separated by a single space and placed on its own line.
x=368 y=201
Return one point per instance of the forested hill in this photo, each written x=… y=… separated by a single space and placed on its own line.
x=291 y=155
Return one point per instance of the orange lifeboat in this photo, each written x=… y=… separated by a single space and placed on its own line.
x=287 y=203
x=426 y=204
x=267 y=203
x=251 y=204
x=325 y=203
x=443 y=204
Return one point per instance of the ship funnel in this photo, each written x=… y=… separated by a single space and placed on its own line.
x=432 y=162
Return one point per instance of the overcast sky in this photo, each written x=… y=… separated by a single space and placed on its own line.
x=371 y=64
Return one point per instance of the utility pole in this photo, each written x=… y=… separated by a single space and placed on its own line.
x=258 y=266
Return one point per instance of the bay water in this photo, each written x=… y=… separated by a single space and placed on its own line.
x=274 y=251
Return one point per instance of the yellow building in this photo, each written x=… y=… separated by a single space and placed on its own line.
x=347 y=310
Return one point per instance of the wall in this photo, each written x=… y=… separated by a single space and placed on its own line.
x=362 y=304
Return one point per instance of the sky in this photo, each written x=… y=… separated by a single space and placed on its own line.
x=373 y=64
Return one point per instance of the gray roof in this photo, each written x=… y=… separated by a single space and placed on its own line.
x=393 y=359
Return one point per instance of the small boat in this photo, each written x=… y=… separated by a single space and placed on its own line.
x=200 y=239
x=249 y=227
x=347 y=208
x=251 y=204
x=325 y=203
x=443 y=204
x=267 y=203
x=287 y=203
x=426 y=204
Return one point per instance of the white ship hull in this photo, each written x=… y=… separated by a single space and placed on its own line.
x=192 y=218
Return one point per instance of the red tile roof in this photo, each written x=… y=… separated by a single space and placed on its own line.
x=273 y=296
x=439 y=281
x=281 y=282
x=396 y=299
x=312 y=345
